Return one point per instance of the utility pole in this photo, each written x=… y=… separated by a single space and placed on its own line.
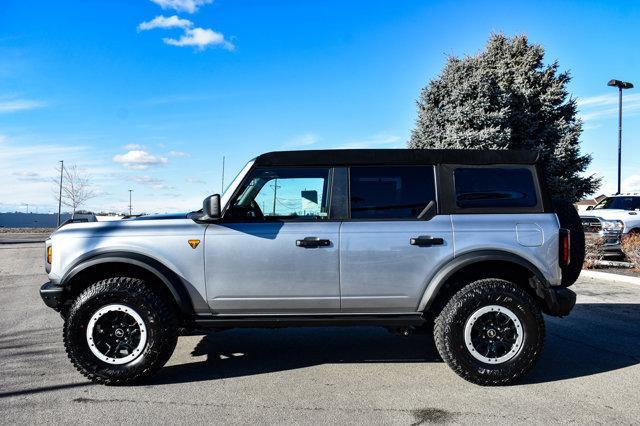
x=60 y=194
x=275 y=194
x=130 y=191
x=620 y=85
x=222 y=188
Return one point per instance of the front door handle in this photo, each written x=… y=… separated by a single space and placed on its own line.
x=311 y=242
x=426 y=240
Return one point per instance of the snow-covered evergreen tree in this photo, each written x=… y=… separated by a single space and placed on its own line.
x=506 y=98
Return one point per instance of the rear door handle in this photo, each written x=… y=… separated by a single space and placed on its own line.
x=310 y=242
x=426 y=240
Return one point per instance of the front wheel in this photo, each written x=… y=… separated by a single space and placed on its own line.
x=119 y=331
x=490 y=333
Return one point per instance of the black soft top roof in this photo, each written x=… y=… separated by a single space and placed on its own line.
x=346 y=157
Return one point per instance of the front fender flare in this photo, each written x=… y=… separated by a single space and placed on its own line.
x=169 y=279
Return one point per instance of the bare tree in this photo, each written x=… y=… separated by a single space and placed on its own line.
x=76 y=188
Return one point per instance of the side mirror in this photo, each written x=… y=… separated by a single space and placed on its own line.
x=211 y=207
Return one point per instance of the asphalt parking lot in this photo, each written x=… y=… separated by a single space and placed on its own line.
x=589 y=371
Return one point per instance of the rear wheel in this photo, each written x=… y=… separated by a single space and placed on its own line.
x=119 y=331
x=490 y=333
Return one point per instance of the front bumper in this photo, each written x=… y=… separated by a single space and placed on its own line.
x=52 y=295
x=558 y=301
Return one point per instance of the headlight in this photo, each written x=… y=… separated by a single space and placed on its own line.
x=612 y=225
x=49 y=254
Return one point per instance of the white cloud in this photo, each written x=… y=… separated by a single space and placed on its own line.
x=375 y=141
x=28 y=176
x=606 y=106
x=189 y=6
x=151 y=181
x=200 y=38
x=631 y=184
x=303 y=140
x=133 y=146
x=25 y=174
x=195 y=180
x=196 y=37
x=19 y=105
x=28 y=165
x=165 y=22
x=139 y=160
x=180 y=154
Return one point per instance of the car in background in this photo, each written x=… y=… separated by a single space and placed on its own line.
x=612 y=219
x=80 y=216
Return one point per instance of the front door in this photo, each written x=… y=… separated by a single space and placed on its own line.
x=387 y=253
x=276 y=249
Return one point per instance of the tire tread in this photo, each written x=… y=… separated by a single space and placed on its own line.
x=446 y=318
x=163 y=310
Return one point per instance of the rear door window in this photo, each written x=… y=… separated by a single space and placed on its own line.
x=494 y=187
x=389 y=192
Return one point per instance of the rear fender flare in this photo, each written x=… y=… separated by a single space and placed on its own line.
x=468 y=259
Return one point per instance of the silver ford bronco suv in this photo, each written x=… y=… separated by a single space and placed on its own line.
x=465 y=244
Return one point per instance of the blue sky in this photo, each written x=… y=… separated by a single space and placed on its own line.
x=142 y=100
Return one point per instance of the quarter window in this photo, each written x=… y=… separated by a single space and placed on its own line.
x=494 y=187
x=390 y=192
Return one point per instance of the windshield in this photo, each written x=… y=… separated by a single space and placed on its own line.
x=619 y=203
x=228 y=191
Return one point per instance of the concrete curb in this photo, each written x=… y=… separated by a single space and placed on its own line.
x=607 y=276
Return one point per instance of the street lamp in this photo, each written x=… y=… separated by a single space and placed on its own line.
x=620 y=85
x=130 y=191
x=60 y=195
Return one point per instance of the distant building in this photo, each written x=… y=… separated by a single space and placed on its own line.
x=583 y=205
x=50 y=220
x=31 y=220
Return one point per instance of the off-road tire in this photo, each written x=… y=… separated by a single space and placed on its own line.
x=158 y=314
x=450 y=324
x=569 y=219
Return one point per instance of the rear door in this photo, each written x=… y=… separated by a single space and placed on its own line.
x=387 y=254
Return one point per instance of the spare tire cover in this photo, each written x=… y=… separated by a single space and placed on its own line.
x=569 y=219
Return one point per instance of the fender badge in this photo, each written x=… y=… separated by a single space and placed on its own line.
x=193 y=243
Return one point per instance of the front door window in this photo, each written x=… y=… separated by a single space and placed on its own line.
x=283 y=194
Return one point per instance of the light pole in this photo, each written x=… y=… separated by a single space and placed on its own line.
x=130 y=191
x=620 y=85
x=222 y=187
x=60 y=194
x=275 y=194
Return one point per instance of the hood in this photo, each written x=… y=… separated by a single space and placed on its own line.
x=143 y=225
x=161 y=216
x=608 y=214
